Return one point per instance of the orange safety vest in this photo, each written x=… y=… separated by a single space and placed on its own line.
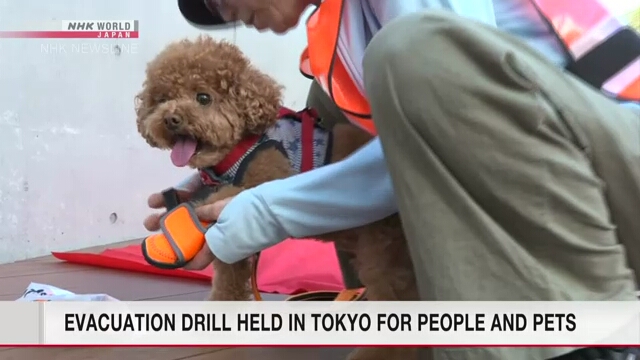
x=604 y=52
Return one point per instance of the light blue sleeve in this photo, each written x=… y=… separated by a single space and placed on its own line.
x=633 y=106
x=347 y=194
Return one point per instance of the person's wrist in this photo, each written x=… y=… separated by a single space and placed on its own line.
x=244 y=226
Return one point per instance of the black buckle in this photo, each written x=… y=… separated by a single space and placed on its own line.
x=171 y=198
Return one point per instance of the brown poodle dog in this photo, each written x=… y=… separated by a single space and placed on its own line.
x=204 y=100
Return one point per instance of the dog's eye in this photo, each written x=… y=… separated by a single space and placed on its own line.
x=203 y=99
x=161 y=100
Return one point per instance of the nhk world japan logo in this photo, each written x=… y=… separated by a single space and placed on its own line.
x=80 y=29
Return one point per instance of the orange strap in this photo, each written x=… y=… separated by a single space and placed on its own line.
x=320 y=61
x=344 y=295
x=254 y=278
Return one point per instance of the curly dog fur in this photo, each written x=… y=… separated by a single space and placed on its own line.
x=245 y=101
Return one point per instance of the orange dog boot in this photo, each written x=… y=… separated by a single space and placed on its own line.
x=181 y=238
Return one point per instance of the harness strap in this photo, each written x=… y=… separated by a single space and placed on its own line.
x=217 y=174
x=236 y=154
x=308 y=118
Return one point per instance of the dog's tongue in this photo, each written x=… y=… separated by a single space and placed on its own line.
x=182 y=151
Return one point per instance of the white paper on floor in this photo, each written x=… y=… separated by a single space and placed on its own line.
x=42 y=292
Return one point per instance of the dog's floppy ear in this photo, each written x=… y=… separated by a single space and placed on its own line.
x=137 y=103
x=256 y=97
x=141 y=114
x=260 y=96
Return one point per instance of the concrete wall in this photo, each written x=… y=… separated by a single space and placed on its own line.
x=73 y=170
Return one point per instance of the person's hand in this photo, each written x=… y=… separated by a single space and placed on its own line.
x=156 y=201
x=207 y=213
x=278 y=16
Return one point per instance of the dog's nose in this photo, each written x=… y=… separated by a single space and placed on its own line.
x=172 y=122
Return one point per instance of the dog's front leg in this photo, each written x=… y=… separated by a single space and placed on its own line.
x=231 y=281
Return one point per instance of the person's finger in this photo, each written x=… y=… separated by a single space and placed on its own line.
x=202 y=259
x=152 y=222
x=211 y=212
x=156 y=201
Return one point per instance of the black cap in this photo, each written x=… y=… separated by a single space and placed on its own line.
x=199 y=15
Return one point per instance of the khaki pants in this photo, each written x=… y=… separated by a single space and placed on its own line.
x=514 y=179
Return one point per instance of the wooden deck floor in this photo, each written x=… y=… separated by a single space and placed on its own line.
x=15 y=277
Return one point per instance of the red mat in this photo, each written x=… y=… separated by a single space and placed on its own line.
x=291 y=267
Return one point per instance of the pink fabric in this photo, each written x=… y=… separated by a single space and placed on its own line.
x=289 y=268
